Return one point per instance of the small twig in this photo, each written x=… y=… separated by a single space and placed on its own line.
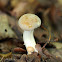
x=47 y=42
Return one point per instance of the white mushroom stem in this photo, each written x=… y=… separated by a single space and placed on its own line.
x=29 y=41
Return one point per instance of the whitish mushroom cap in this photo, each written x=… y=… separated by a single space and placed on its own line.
x=29 y=22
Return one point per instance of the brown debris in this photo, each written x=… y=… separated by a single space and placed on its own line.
x=24 y=7
x=19 y=50
x=46 y=56
x=19 y=10
x=3 y=3
x=30 y=58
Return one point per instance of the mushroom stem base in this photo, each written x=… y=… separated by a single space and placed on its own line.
x=29 y=40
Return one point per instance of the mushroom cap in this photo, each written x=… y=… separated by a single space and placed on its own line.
x=29 y=22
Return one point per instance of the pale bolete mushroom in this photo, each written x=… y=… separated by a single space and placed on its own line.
x=28 y=22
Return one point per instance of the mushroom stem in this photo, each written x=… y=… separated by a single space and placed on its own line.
x=29 y=41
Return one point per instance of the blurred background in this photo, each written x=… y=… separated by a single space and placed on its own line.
x=50 y=13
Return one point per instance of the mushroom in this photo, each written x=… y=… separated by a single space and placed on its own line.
x=28 y=22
